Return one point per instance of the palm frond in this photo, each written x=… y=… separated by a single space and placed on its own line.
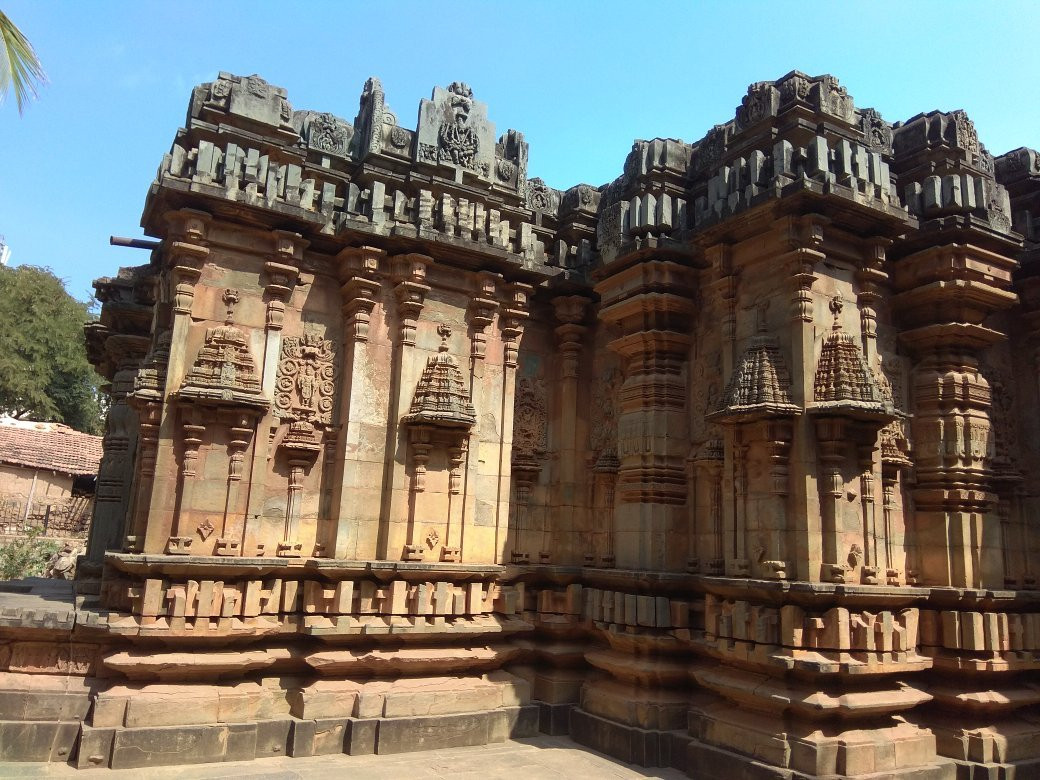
x=20 y=68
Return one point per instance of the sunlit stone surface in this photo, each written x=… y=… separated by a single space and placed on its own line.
x=729 y=465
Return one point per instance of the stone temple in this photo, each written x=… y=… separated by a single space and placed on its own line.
x=730 y=465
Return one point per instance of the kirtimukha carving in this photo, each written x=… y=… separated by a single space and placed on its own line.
x=456 y=139
x=724 y=465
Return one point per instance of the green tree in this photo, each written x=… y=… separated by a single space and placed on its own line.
x=44 y=372
x=20 y=68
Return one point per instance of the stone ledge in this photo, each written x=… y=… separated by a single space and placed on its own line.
x=630 y=744
x=554 y=719
x=713 y=763
x=37 y=740
x=128 y=748
x=137 y=563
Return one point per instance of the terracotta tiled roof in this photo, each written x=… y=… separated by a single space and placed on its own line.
x=49 y=446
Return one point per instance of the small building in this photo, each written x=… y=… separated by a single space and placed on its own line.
x=48 y=473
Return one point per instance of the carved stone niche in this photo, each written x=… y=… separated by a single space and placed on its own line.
x=303 y=398
x=529 y=449
x=757 y=408
x=222 y=388
x=441 y=415
x=848 y=406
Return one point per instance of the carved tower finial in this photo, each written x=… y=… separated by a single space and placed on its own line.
x=230 y=298
x=836 y=306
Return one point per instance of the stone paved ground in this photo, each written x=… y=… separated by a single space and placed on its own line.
x=540 y=758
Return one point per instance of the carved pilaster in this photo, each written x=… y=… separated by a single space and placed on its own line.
x=456 y=455
x=513 y=316
x=281 y=272
x=191 y=438
x=280 y=279
x=359 y=278
x=871 y=278
x=570 y=311
x=709 y=542
x=830 y=434
x=524 y=476
x=186 y=248
x=229 y=540
x=361 y=270
x=481 y=312
x=654 y=343
x=942 y=302
x=301 y=449
x=409 y=273
x=724 y=287
x=872 y=568
x=115 y=472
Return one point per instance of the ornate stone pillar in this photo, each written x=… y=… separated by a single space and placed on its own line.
x=115 y=473
x=720 y=259
x=570 y=312
x=708 y=553
x=803 y=239
x=181 y=539
x=408 y=273
x=943 y=300
x=481 y=313
x=301 y=451
x=279 y=278
x=512 y=317
x=654 y=325
x=871 y=278
x=358 y=485
x=147 y=400
x=458 y=450
x=240 y=431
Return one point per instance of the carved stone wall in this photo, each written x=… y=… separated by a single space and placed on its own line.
x=725 y=465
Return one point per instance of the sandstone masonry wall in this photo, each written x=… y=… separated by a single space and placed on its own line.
x=727 y=464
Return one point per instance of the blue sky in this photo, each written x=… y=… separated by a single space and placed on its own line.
x=580 y=79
